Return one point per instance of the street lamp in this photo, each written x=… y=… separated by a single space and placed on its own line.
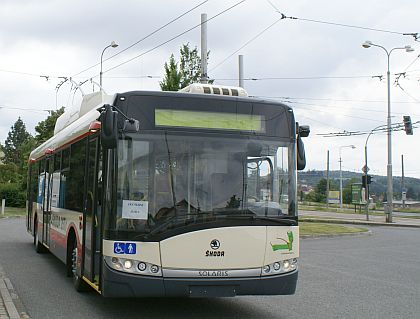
x=341 y=174
x=112 y=45
x=407 y=48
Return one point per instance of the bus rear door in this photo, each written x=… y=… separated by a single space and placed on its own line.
x=46 y=201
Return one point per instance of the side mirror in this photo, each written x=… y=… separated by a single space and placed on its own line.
x=302 y=131
x=301 y=158
x=109 y=127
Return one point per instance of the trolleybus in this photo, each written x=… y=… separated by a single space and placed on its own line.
x=145 y=194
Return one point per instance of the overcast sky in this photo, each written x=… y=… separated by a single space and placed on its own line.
x=319 y=68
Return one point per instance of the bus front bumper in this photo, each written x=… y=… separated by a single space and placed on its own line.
x=124 y=285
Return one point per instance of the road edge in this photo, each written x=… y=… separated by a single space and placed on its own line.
x=9 y=299
x=355 y=222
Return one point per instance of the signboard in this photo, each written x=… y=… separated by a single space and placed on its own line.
x=334 y=197
x=133 y=209
x=357 y=194
x=209 y=120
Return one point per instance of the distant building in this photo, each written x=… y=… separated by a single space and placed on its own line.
x=305 y=189
x=408 y=203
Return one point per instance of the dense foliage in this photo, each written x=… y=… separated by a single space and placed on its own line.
x=14 y=162
x=178 y=76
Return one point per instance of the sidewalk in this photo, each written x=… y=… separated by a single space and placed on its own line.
x=358 y=219
x=9 y=301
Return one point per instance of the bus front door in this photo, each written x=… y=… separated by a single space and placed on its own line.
x=91 y=218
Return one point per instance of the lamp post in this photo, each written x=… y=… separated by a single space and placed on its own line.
x=341 y=174
x=407 y=48
x=112 y=45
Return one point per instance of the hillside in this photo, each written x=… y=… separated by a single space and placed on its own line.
x=378 y=186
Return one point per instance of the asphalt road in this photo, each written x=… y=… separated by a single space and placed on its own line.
x=375 y=276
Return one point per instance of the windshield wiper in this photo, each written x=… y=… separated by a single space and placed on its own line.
x=283 y=220
x=245 y=214
x=175 y=220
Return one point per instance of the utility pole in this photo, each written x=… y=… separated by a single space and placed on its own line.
x=403 y=191
x=241 y=71
x=204 y=77
x=328 y=177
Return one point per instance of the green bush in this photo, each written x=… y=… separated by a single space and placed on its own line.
x=13 y=194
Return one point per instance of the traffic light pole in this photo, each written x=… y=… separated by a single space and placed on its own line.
x=367 y=185
x=366 y=169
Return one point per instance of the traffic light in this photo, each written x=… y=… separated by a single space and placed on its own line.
x=408 y=126
x=366 y=180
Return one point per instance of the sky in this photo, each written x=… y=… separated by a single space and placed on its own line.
x=312 y=59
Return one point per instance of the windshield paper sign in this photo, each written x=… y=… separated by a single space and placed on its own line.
x=134 y=209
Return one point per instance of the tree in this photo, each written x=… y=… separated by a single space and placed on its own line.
x=190 y=66
x=45 y=129
x=16 y=138
x=189 y=70
x=411 y=194
x=172 y=78
x=8 y=173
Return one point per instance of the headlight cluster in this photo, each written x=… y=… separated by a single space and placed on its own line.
x=133 y=266
x=279 y=267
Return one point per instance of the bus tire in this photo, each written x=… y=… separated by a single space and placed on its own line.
x=39 y=247
x=79 y=284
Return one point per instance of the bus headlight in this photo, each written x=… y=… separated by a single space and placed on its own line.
x=141 y=266
x=133 y=266
x=279 y=267
x=266 y=269
x=128 y=264
x=154 y=269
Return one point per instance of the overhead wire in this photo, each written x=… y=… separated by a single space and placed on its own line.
x=146 y=37
x=174 y=37
x=329 y=99
x=7 y=107
x=335 y=107
x=344 y=115
x=246 y=43
x=298 y=78
x=338 y=24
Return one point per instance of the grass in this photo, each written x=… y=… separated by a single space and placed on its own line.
x=13 y=212
x=307 y=228
x=349 y=209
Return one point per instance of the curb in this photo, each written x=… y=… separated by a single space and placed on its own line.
x=356 y=222
x=357 y=234
x=9 y=300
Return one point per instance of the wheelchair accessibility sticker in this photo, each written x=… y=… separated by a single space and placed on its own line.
x=125 y=248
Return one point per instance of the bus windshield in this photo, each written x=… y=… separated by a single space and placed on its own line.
x=172 y=180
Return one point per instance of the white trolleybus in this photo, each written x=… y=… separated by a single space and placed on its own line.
x=188 y=193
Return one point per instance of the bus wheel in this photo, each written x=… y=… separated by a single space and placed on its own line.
x=79 y=284
x=39 y=248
